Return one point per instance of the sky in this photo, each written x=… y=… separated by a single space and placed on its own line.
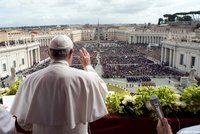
x=59 y=12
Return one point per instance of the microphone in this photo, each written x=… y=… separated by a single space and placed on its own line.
x=155 y=103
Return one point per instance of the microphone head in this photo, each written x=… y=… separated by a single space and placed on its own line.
x=155 y=103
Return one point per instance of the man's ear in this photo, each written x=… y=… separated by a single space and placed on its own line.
x=70 y=56
x=71 y=52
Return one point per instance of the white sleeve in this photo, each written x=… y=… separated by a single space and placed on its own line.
x=89 y=68
x=103 y=85
x=7 y=122
x=190 y=130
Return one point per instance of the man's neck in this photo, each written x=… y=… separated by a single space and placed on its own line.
x=59 y=61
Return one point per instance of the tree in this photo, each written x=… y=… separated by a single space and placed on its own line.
x=187 y=18
x=179 y=18
x=160 y=21
x=198 y=26
x=170 y=17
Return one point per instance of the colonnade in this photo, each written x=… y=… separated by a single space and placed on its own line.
x=34 y=56
x=168 y=56
x=146 y=39
x=44 y=41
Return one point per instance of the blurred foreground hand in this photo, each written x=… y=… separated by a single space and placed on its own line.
x=163 y=127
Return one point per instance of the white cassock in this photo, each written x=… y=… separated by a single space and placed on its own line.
x=60 y=99
x=190 y=130
x=7 y=122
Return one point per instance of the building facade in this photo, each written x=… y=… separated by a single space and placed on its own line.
x=19 y=56
x=181 y=55
x=147 y=36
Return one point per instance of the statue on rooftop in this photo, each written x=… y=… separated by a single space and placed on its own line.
x=169 y=36
x=12 y=78
x=187 y=81
x=192 y=75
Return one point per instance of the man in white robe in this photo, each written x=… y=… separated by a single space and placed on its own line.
x=7 y=122
x=60 y=99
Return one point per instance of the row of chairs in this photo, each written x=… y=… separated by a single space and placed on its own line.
x=138 y=78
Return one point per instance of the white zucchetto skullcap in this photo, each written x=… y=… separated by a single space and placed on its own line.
x=61 y=42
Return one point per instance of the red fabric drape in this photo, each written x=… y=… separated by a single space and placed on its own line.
x=124 y=125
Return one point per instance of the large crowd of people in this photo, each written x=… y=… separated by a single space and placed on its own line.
x=122 y=60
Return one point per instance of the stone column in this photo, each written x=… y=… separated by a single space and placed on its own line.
x=50 y=41
x=40 y=42
x=165 y=54
x=43 y=42
x=157 y=42
x=135 y=39
x=170 y=57
x=173 y=58
x=33 y=58
x=36 y=55
x=162 y=54
x=157 y=38
x=38 y=51
x=152 y=39
x=46 y=42
x=146 y=39
x=30 y=57
x=27 y=57
x=130 y=39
